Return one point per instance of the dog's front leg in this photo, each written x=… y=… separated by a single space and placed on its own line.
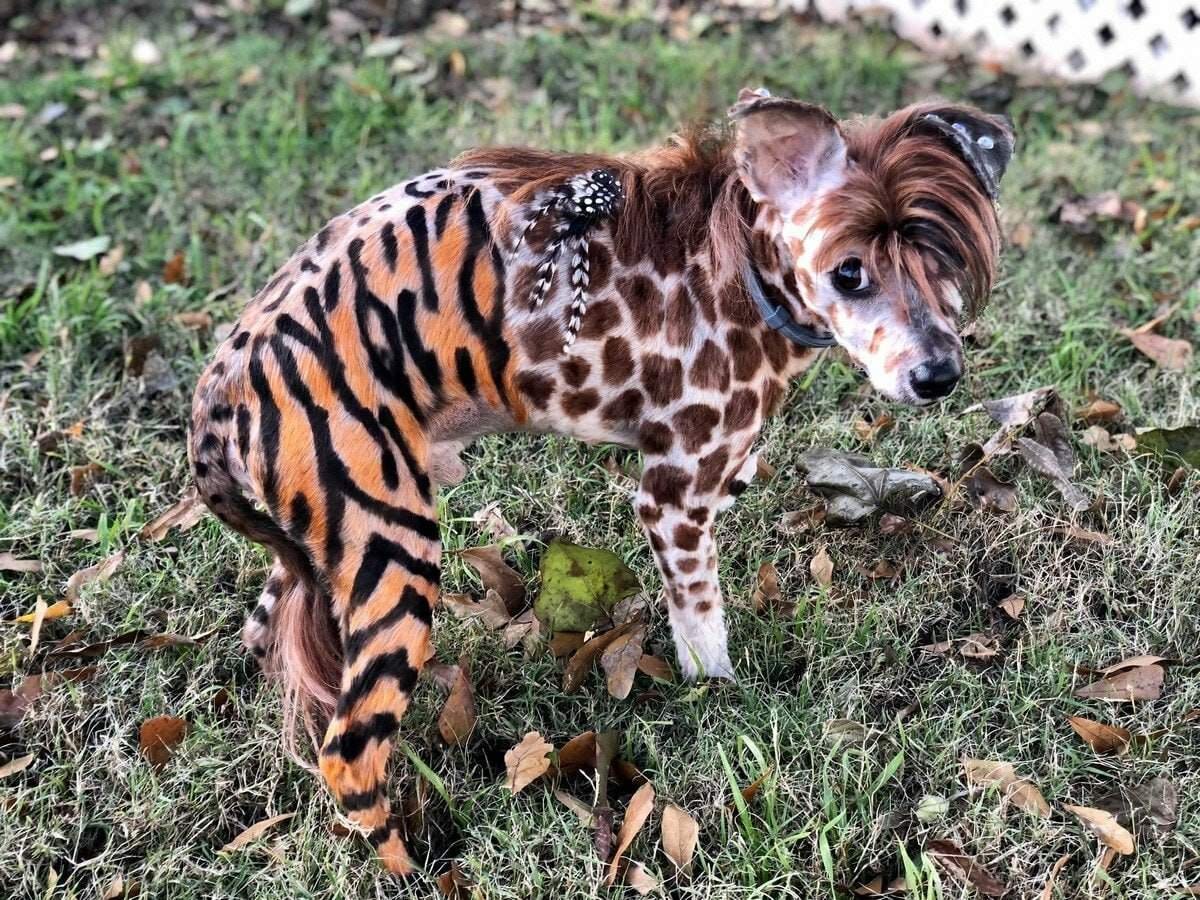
x=677 y=501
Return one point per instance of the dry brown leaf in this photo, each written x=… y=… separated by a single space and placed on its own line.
x=767 y=594
x=453 y=884
x=527 y=761
x=117 y=889
x=1099 y=410
x=750 y=791
x=640 y=880
x=1133 y=662
x=1048 y=888
x=1141 y=683
x=1105 y=826
x=1020 y=792
x=20 y=764
x=821 y=568
x=492 y=610
x=656 y=667
x=869 y=432
x=586 y=814
x=195 y=320
x=1101 y=737
x=83 y=477
x=884 y=569
x=102 y=571
x=159 y=736
x=255 y=831
x=54 y=611
x=876 y=888
x=965 y=869
x=174 y=270
x=497 y=575
x=619 y=661
x=680 y=833
x=979 y=646
x=491 y=520
x=578 y=753
x=15 y=703
x=10 y=563
x=640 y=806
x=564 y=643
x=988 y=493
x=1167 y=353
x=182 y=515
x=1085 y=536
x=458 y=715
x=581 y=663
x=1013 y=606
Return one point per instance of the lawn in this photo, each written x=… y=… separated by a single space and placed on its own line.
x=209 y=159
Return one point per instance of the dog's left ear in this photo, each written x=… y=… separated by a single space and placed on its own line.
x=786 y=151
x=984 y=141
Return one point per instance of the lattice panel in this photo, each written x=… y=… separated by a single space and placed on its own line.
x=1156 y=42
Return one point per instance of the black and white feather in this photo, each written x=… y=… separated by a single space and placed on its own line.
x=582 y=203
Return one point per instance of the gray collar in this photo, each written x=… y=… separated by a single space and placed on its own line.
x=778 y=318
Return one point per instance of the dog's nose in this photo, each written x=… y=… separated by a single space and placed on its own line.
x=935 y=379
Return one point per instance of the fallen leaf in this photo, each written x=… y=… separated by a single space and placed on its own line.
x=1101 y=737
x=491 y=520
x=876 y=888
x=145 y=52
x=1105 y=826
x=989 y=493
x=1183 y=443
x=497 y=575
x=767 y=594
x=750 y=791
x=1049 y=464
x=1097 y=411
x=458 y=715
x=102 y=571
x=85 y=249
x=656 y=667
x=1173 y=354
x=1082 y=214
x=15 y=702
x=454 y=884
x=890 y=523
x=1141 y=683
x=855 y=489
x=492 y=610
x=54 y=611
x=197 y=320
x=821 y=567
x=680 y=833
x=20 y=764
x=930 y=808
x=83 y=477
x=1021 y=793
x=158 y=738
x=1133 y=662
x=965 y=869
x=255 y=831
x=869 y=432
x=1155 y=801
x=111 y=261
x=619 y=661
x=640 y=806
x=1084 y=536
x=578 y=753
x=883 y=569
x=1048 y=888
x=846 y=731
x=10 y=563
x=586 y=814
x=564 y=643
x=580 y=586
x=174 y=270
x=1013 y=606
x=527 y=761
x=640 y=880
x=580 y=664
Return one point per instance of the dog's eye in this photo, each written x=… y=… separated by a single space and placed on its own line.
x=850 y=277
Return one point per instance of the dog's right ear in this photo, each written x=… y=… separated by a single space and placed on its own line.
x=786 y=151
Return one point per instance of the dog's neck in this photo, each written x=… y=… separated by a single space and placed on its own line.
x=768 y=250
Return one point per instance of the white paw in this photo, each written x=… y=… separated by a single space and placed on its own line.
x=705 y=656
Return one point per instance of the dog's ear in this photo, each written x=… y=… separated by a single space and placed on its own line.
x=785 y=150
x=984 y=141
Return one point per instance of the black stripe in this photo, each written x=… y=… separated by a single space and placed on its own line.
x=351 y=743
x=489 y=330
x=415 y=217
x=387 y=237
x=426 y=361
x=465 y=370
x=442 y=213
x=323 y=236
x=356 y=801
x=411 y=603
x=419 y=477
x=274 y=304
x=393 y=665
x=378 y=555
x=261 y=615
x=333 y=285
x=268 y=424
x=413 y=191
x=301 y=518
x=243 y=430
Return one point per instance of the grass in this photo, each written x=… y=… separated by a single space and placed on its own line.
x=181 y=157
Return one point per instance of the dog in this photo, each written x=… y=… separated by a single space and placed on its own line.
x=661 y=301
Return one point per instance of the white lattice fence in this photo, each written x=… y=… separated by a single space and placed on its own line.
x=1157 y=42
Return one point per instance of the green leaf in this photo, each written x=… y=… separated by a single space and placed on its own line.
x=1183 y=443
x=85 y=249
x=580 y=585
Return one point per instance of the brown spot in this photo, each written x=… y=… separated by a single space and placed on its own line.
x=772 y=398
x=681 y=318
x=665 y=484
x=576 y=403
x=668 y=255
x=704 y=607
x=536 y=387
x=876 y=339
x=601 y=317
x=626 y=407
x=618 y=361
x=775 y=346
x=599 y=267
x=542 y=340
x=747 y=353
x=710 y=470
x=687 y=537
x=663 y=378
x=735 y=305
x=575 y=371
x=656 y=542
x=711 y=368
x=649 y=514
x=701 y=291
x=655 y=437
x=697 y=587
x=806 y=285
x=698 y=514
x=645 y=301
x=679 y=601
x=695 y=423
x=688 y=566
x=739 y=413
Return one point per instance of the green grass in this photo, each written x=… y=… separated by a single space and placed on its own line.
x=180 y=157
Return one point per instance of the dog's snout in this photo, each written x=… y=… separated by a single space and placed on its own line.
x=935 y=379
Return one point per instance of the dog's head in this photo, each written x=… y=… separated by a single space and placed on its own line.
x=889 y=226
